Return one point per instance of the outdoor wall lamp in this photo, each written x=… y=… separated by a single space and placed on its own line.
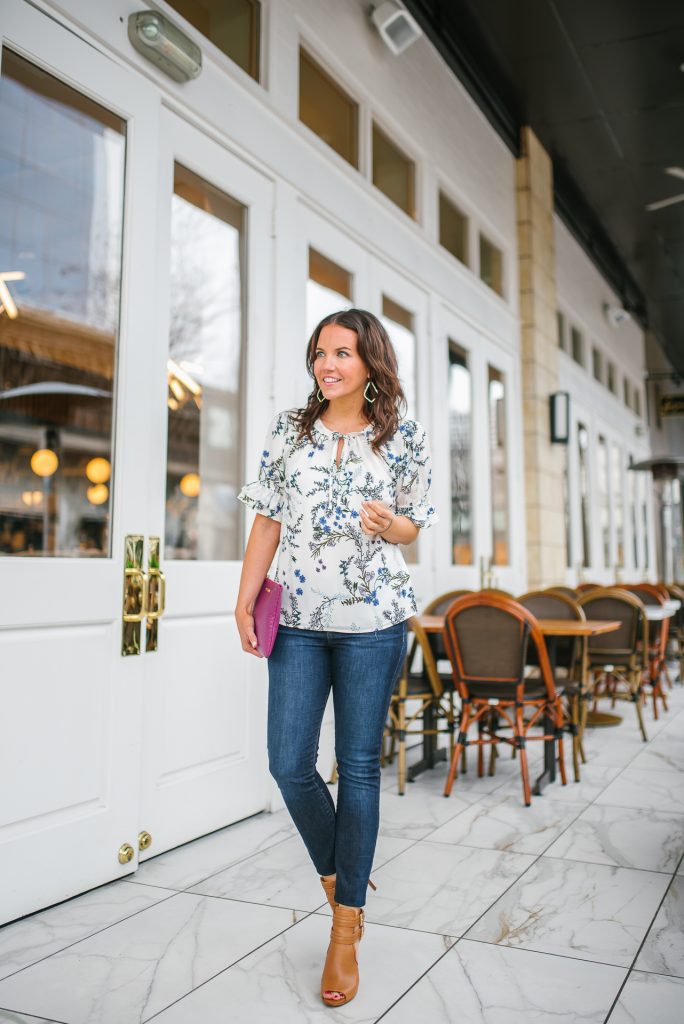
x=397 y=28
x=160 y=41
x=559 y=406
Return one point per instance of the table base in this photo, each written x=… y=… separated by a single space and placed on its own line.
x=601 y=719
x=426 y=762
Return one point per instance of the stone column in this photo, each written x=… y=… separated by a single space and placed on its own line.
x=546 y=560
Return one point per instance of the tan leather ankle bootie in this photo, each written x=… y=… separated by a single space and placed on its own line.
x=341 y=971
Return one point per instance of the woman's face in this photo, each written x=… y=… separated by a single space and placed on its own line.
x=339 y=369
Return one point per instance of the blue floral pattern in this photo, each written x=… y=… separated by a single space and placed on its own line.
x=334 y=576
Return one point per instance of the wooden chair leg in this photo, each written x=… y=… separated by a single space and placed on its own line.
x=561 y=748
x=458 y=748
x=520 y=742
x=401 y=763
x=574 y=725
x=636 y=698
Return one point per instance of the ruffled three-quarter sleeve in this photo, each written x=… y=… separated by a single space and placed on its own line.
x=414 y=491
x=266 y=494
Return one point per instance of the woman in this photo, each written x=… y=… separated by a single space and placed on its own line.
x=342 y=484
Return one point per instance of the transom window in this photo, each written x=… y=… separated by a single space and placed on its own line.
x=234 y=26
x=327 y=110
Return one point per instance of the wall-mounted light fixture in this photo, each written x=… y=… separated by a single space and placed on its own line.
x=397 y=28
x=160 y=41
x=559 y=406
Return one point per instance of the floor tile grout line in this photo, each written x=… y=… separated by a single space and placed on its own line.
x=233 y=864
x=630 y=970
x=229 y=967
x=172 y=894
x=31 y=1016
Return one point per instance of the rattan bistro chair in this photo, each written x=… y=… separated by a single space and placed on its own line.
x=652 y=594
x=618 y=659
x=411 y=686
x=570 y=660
x=486 y=637
x=568 y=591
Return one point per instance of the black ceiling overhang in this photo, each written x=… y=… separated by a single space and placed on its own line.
x=600 y=86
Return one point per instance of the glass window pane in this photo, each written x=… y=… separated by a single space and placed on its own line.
x=560 y=327
x=398 y=323
x=234 y=26
x=626 y=392
x=604 y=506
x=61 y=214
x=453 y=229
x=460 y=441
x=582 y=446
x=393 y=172
x=204 y=369
x=597 y=364
x=328 y=290
x=612 y=386
x=499 y=468
x=645 y=489
x=637 y=402
x=577 y=346
x=491 y=265
x=633 y=502
x=618 y=505
x=327 y=110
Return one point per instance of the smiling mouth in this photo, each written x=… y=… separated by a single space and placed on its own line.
x=332 y=380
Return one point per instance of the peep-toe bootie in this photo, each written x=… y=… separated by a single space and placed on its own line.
x=341 y=971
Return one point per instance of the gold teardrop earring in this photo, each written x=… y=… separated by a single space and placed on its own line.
x=371 y=400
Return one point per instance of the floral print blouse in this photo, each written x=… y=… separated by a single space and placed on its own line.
x=334 y=576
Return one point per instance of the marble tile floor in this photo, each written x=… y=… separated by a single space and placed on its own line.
x=486 y=912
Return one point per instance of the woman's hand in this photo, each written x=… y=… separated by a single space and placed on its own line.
x=376 y=517
x=245 y=624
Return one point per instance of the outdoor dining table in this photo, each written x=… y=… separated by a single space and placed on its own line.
x=553 y=630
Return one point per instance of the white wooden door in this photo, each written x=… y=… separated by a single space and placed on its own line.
x=79 y=156
x=204 y=759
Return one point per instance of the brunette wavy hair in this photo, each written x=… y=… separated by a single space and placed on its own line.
x=377 y=352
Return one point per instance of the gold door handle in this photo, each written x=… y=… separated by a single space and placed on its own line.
x=161 y=602
x=129 y=589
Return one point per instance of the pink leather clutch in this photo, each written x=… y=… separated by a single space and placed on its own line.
x=267 y=615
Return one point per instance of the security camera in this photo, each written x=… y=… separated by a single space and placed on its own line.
x=616 y=315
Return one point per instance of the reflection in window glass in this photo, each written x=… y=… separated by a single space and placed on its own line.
x=328 y=290
x=604 y=503
x=398 y=323
x=499 y=469
x=327 y=110
x=618 y=505
x=582 y=446
x=61 y=209
x=460 y=456
x=205 y=349
x=393 y=172
x=231 y=25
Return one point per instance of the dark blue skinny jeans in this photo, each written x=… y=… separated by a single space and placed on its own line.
x=362 y=669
